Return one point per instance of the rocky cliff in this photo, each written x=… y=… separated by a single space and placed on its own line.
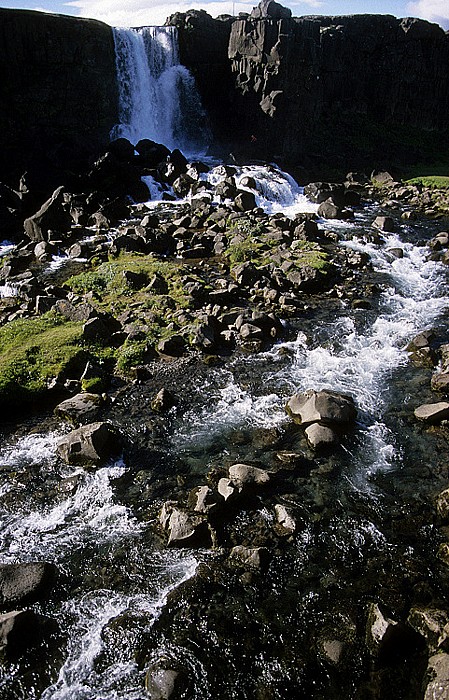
x=58 y=91
x=369 y=86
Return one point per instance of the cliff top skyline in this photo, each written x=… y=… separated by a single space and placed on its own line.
x=142 y=12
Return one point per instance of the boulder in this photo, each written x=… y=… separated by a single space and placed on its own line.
x=245 y=475
x=326 y=407
x=286 y=524
x=166 y=679
x=437 y=675
x=52 y=216
x=252 y=558
x=25 y=583
x=172 y=347
x=227 y=489
x=432 y=624
x=387 y=639
x=245 y=201
x=385 y=223
x=432 y=412
x=187 y=530
x=202 y=500
x=79 y=409
x=440 y=382
x=163 y=401
x=90 y=444
x=442 y=505
x=320 y=436
x=20 y=630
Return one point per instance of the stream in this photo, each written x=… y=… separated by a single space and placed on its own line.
x=364 y=514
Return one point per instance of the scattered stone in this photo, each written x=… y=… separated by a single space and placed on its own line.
x=166 y=679
x=433 y=412
x=286 y=524
x=187 y=530
x=163 y=401
x=385 y=223
x=321 y=436
x=90 y=444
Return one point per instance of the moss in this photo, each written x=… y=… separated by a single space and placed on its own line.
x=433 y=181
x=35 y=350
x=132 y=354
x=108 y=283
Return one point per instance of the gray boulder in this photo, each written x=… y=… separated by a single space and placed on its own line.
x=52 y=216
x=25 y=583
x=432 y=412
x=166 y=679
x=186 y=529
x=252 y=558
x=90 y=444
x=437 y=676
x=20 y=630
x=244 y=475
x=81 y=408
x=326 y=407
x=319 y=436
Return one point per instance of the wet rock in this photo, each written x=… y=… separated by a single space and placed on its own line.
x=202 y=500
x=166 y=679
x=187 y=530
x=387 y=639
x=442 y=505
x=20 y=630
x=440 y=382
x=285 y=522
x=321 y=436
x=326 y=407
x=432 y=625
x=244 y=475
x=385 y=223
x=330 y=210
x=163 y=401
x=79 y=409
x=245 y=201
x=227 y=489
x=437 y=675
x=252 y=558
x=90 y=444
x=21 y=584
x=332 y=650
x=172 y=347
x=433 y=412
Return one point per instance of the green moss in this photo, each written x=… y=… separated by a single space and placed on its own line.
x=131 y=354
x=34 y=351
x=108 y=283
x=433 y=181
x=243 y=251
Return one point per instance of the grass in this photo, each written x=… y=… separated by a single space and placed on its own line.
x=440 y=182
x=35 y=350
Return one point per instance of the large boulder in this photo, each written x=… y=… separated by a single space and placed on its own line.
x=25 y=583
x=91 y=444
x=433 y=412
x=326 y=407
x=20 y=630
x=185 y=529
x=244 y=476
x=52 y=216
x=81 y=408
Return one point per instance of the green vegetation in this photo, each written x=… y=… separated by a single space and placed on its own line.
x=35 y=350
x=440 y=182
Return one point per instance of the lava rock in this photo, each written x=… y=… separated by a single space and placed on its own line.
x=90 y=444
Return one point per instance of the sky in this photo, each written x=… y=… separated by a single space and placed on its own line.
x=128 y=13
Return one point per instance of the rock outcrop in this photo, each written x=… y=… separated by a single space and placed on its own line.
x=57 y=90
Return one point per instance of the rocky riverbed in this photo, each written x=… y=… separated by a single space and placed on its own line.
x=224 y=439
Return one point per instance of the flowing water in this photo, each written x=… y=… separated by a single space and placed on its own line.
x=114 y=577
x=158 y=96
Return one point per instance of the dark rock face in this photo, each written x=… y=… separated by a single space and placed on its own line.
x=57 y=89
x=302 y=86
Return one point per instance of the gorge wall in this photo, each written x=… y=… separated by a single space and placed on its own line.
x=58 y=91
x=346 y=91
x=350 y=88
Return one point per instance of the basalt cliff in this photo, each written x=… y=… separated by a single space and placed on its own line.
x=350 y=90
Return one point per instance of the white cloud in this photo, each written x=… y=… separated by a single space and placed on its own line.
x=433 y=10
x=136 y=13
x=139 y=12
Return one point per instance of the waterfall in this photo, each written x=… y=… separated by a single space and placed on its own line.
x=158 y=99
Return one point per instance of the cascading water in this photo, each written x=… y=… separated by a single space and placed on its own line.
x=158 y=99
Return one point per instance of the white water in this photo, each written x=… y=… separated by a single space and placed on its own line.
x=350 y=358
x=158 y=99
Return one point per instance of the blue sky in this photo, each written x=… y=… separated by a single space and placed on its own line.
x=139 y=12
